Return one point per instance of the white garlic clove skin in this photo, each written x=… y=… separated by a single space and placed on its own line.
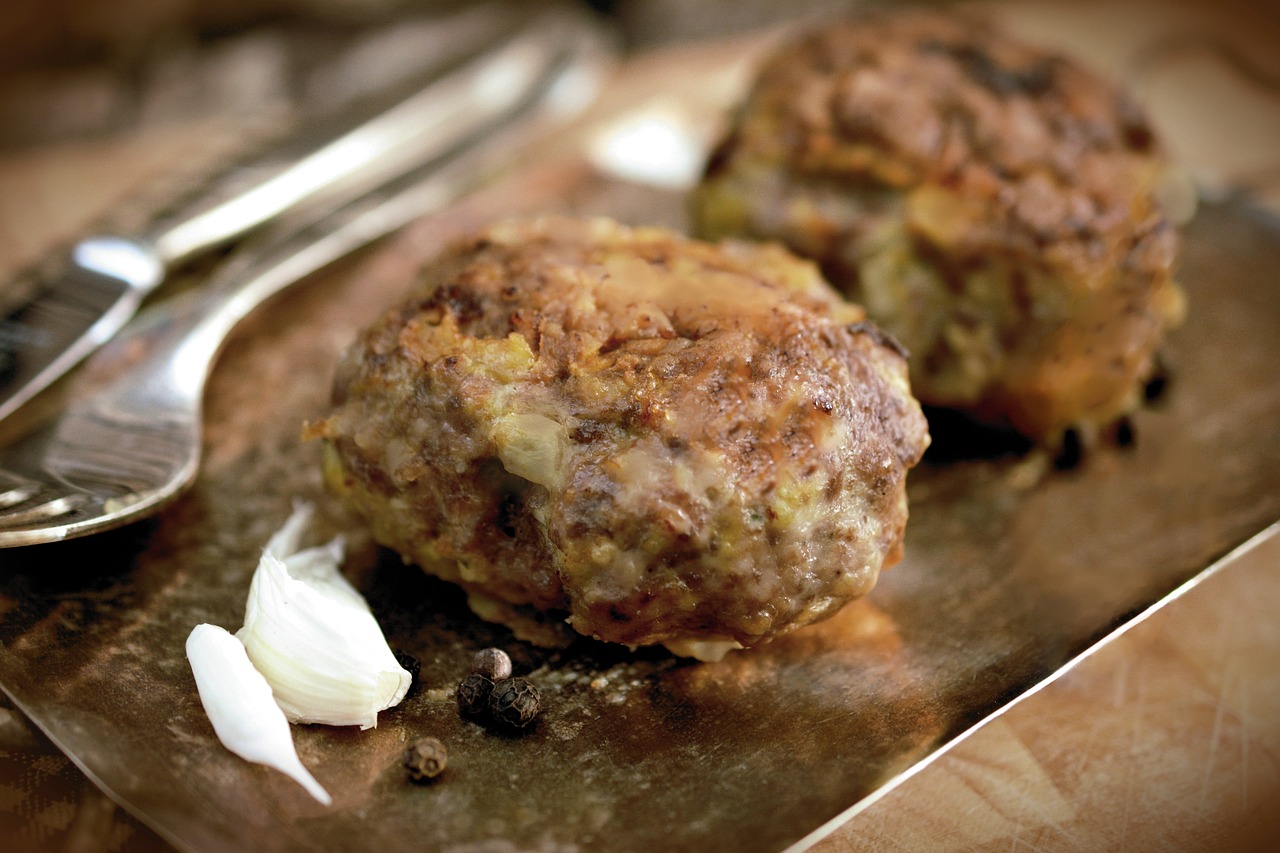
x=313 y=637
x=240 y=705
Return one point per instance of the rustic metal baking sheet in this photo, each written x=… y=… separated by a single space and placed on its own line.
x=1013 y=567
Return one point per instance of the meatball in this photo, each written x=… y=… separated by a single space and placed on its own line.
x=992 y=206
x=658 y=439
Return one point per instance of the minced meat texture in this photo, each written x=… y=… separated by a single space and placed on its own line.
x=992 y=205
x=659 y=439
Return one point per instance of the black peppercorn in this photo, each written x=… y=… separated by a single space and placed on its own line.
x=514 y=703
x=473 y=694
x=1158 y=382
x=425 y=759
x=1071 y=453
x=493 y=664
x=410 y=665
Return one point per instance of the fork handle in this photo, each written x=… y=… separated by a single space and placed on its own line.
x=545 y=77
x=359 y=159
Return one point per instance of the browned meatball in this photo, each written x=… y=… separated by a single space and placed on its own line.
x=991 y=205
x=661 y=440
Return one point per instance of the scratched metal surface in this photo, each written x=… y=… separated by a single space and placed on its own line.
x=1013 y=567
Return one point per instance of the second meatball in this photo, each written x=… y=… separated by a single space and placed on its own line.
x=993 y=206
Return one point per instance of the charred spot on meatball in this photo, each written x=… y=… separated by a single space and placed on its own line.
x=682 y=443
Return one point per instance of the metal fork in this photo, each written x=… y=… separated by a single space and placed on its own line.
x=132 y=444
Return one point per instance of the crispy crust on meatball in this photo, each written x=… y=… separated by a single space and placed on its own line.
x=661 y=440
x=992 y=205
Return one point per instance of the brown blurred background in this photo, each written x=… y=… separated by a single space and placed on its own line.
x=81 y=80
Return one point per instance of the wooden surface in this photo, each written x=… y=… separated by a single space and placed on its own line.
x=1166 y=739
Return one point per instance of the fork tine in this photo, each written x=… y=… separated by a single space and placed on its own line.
x=18 y=495
x=16 y=489
x=46 y=511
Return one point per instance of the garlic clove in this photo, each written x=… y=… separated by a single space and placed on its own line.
x=313 y=637
x=317 y=565
x=240 y=705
